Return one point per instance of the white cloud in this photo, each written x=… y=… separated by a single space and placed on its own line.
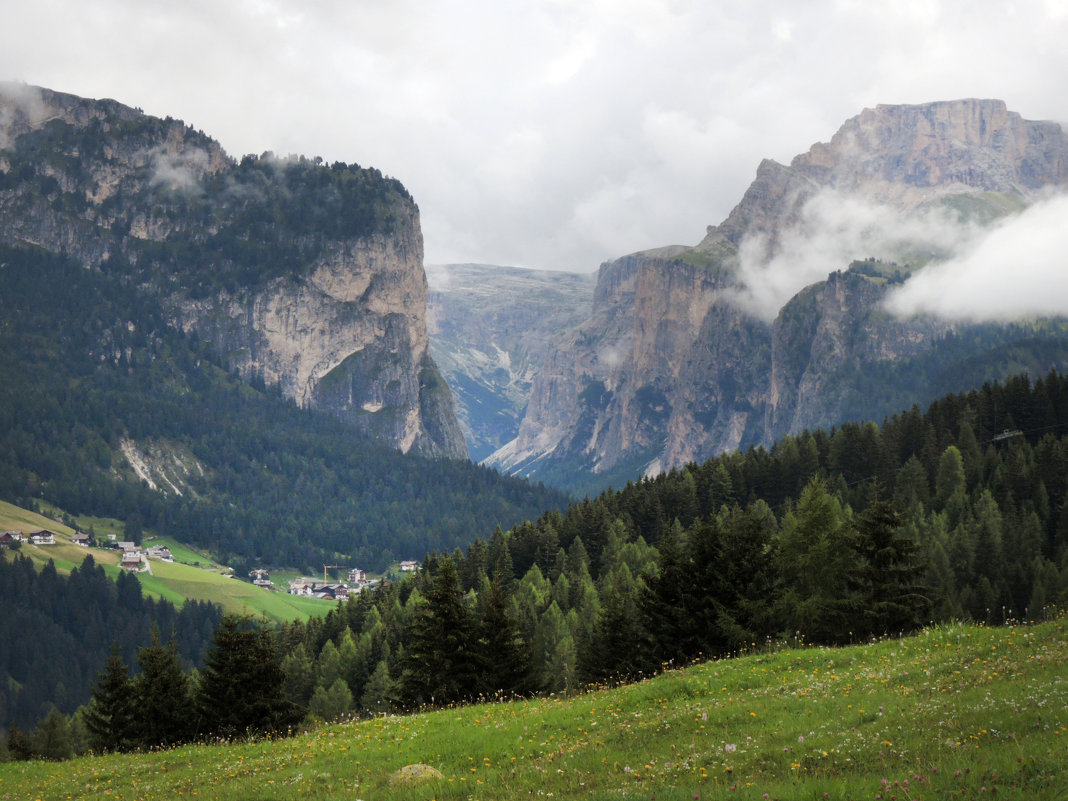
x=629 y=124
x=834 y=229
x=1017 y=269
x=181 y=171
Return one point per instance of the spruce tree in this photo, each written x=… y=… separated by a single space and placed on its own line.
x=242 y=684
x=164 y=712
x=110 y=713
x=440 y=665
x=503 y=660
x=886 y=580
x=667 y=605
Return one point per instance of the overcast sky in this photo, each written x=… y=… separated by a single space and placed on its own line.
x=541 y=134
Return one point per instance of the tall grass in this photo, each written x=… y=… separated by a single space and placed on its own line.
x=957 y=711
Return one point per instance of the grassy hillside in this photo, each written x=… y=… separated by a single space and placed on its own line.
x=192 y=575
x=955 y=712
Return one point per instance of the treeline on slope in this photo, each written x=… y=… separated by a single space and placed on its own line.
x=237 y=691
x=56 y=630
x=246 y=223
x=829 y=537
x=91 y=362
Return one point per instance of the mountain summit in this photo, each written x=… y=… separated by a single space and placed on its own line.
x=774 y=322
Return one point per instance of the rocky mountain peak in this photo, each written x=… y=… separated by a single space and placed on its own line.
x=905 y=157
x=950 y=145
x=773 y=323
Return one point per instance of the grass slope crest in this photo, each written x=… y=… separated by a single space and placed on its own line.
x=957 y=711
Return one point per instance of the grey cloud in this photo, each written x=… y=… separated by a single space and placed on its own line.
x=24 y=109
x=178 y=171
x=541 y=132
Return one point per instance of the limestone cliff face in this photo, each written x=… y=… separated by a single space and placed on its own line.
x=673 y=365
x=307 y=276
x=348 y=337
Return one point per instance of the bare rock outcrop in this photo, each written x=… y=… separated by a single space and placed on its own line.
x=306 y=276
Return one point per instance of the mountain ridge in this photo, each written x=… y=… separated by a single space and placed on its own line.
x=306 y=275
x=686 y=356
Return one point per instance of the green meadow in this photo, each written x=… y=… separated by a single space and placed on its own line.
x=193 y=575
x=958 y=711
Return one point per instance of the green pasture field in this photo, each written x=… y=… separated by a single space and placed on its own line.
x=175 y=582
x=15 y=518
x=232 y=595
x=958 y=711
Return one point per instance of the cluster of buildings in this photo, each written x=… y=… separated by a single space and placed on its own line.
x=40 y=537
x=331 y=590
x=135 y=560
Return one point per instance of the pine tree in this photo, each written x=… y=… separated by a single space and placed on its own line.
x=503 y=660
x=667 y=606
x=330 y=703
x=163 y=703
x=887 y=576
x=299 y=673
x=51 y=739
x=814 y=562
x=617 y=651
x=377 y=698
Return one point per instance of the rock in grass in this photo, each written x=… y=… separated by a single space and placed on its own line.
x=414 y=774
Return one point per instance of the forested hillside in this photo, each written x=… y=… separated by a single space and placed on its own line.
x=56 y=632
x=305 y=272
x=94 y=375
x=829 y=538
x=957 y=512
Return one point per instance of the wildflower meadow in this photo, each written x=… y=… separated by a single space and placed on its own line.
x=956 y=711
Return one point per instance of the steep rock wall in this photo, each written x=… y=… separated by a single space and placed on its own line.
x=695 y=373
x=306 y=275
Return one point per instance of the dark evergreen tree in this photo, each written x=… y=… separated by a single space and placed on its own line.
x=666 y=606
x=619 y=650
x=503 y=660
x=242 y=685
x=886 y=581
x=164 y=710
x=746 y=576
x=110 y=714
x=440 y=664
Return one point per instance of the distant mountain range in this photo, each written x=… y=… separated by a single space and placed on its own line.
x=307 y=279
x=490 y=330
x=775 y=322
